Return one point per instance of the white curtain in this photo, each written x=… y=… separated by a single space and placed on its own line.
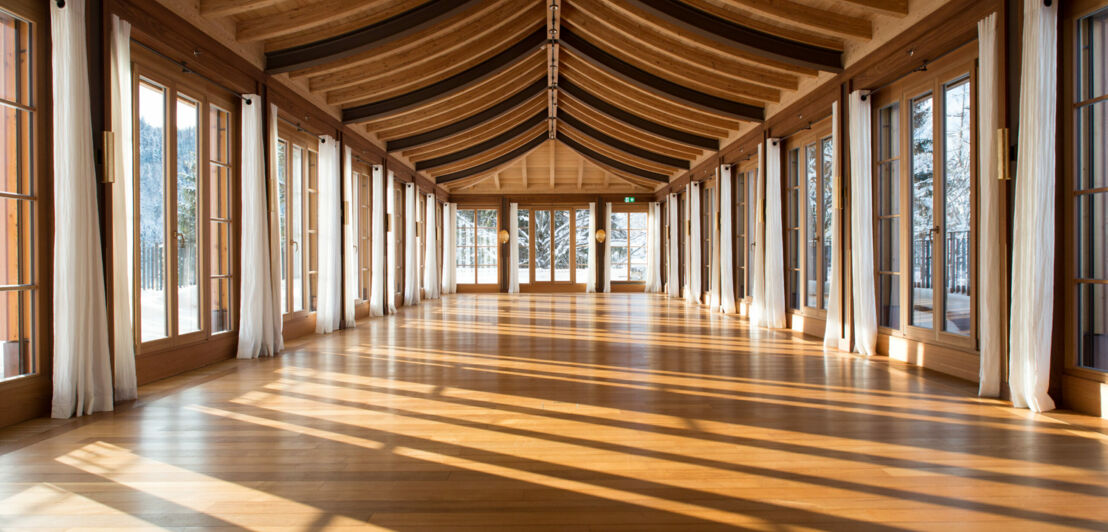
x=694 y=287
x=329 y=302
x=757 y=259
x=349 y=239
x=861 y=223
x=713 y=270
x=276 y=283
x=607 y=248
x=411 y=246
x=673 y=275
x=832 y=332
x=513 y=248
x=590 y=281
x=654 y=248
x=774 y=310
x=431 y=248
x=449 y=224
x=377 y=244
x=82 y=365
x=258 y=335
x=1033 y=233
x=123 y=213
x=390 y=243
x=726 y=261
x=990 y=234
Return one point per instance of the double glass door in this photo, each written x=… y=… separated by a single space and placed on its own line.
x=559 y=245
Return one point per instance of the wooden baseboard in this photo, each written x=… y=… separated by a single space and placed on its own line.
x=1086 y=396
x=962 y=364
x=478 y=289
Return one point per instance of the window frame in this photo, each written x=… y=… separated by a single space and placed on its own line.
x=307 y=143
x=572 y=209
x=627 y=208
x=496 y=246
x=803 y=144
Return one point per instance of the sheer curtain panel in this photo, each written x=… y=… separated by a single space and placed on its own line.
x=377 y=244
x=693 y=294
x=449 y=224
x=275 y=244
x=329 y=304
x=82 y=367
x=123 y=220
x=431 y=247
x=990 y=252
x=654 y=249
x=861 y=223
x=607 y=248
x=513 y=248
x=390 y=243
x=1033 y=233
x=257 y=331
x=713 y=218
x=673 y=275
x=773 y=314
x=832 y=333
x=590 y=281
x=349 y=239
x=726 y=242
x=411 y=246
x=757 y=259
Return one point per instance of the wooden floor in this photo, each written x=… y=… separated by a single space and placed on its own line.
x=558 y=412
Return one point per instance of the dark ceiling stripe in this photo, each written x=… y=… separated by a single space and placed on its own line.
x=750 y=40
x=608 y=161
x=507 y=157
x=636 y=121
x=492 y=113
x=662 y=87
x=499 y=140
x=364 y=39
x=450 y=85
x=619 y=144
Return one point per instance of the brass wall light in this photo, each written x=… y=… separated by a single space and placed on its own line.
x=503 y=236
x=601 y=235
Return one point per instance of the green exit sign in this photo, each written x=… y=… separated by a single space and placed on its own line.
x=629 y=199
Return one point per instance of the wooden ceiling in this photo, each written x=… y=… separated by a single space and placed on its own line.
x=616 y=94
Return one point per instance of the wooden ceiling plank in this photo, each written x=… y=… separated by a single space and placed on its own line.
x=617 y=129
x=599 y=147
x=409 y=22
x=611 y=163
x=486 y=156
x=730 y=34
x=499 y=140
x=448 y=86
x=470 y=122
x=792 y=13
x=485 y=132
x=897 y=8
x=618 y=144
x=503 y=159
x=227 y=8
x=657 y=85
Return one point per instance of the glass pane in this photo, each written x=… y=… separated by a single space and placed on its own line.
x=956 y=206
x=16 y=333
x=1092 y=236
x=486 y=265
x=888 y=301
x=221 y=305
x=581 y=241
x=1093 y=81
x=221 y=246
x=828 y=153
x=486 y=236
x=1092 y=123
x=888 y=245
x=638 y=273
x=562 y=245
x=188 y=201
x=15 y=55
x=619 y=262
x=812 y=217
x=542 y=246
x=15 y=149
x=523 y=234
x=297 y=240
x=282 y=219
x=151 y=213
x=638 y=220
x=221 y=249
x=1093 y=317
x=923 y=206
x=486 y=218
x=16 y=216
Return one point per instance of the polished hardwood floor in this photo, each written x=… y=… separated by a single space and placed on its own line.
x=558 y=412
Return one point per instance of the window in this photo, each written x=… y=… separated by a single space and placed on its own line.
x=559 y=244
x=295 y=174
x=739 y=218
x=581 y=243
x=1091 y=192
x=628 y=246
x=928 y=117
x=792 y=228
x=18 y=198
x=398 y=228
x=476 y=254
x=707 y=232
x=184 y=208
x=311 y=179
x=365 y=250
x=523 y=236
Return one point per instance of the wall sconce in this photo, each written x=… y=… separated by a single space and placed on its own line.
x=601 y=235
x=503 y=236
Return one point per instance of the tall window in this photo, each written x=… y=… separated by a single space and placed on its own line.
x=365 y=251
x=1091 y=191
x=523 y=237
x=739 y=216
x=581 y=243
x=558 y=244
x=628 y=246
x=927 y=117
x=183 y=208
x=817 y=226
x=295 y=174
x=707 y=232
x=18 y=198
x=311 y=180
x=792 y=228
x=476 y=253
x=398 y=228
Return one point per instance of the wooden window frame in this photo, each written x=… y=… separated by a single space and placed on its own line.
x=709 y=227
x=480 y=207
x=804 y=142
x=572 y=208
x=626 y=208
x=306 y=143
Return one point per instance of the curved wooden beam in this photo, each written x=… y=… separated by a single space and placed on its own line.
x=633 y=120
x=604 y=138
x=507 y=136
x=611 y=163
x=656 y=85
x=750 y=40
x=355 y=42
x=506 y=158
x=449 y=85
x=471 y=121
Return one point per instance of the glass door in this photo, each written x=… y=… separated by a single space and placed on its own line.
x=554 y=235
